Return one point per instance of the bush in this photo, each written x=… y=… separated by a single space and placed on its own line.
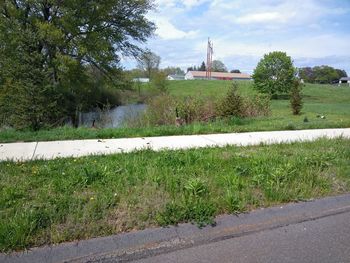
x=258 y=105
x=160 y=110
x=237 y=106
x=232 y=104
x=163 y=110
x=296 y=102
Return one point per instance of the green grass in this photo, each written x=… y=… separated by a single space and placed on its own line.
x=327 y=100
x=46 y=202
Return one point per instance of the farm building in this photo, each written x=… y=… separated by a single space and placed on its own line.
x=344 y=80
x=217 y=75
x=176 y=77
x=142 y=80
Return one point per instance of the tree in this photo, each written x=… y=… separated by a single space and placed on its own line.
x=47 y=45
x=218 y=66
x=306 y=74
x=173 y=71
x=321 y=74
x=296 y=100
x=160 y=82
x=235 y=71
x=202 y=67
x=149 y=62
x=341 y=73
x=274 y=73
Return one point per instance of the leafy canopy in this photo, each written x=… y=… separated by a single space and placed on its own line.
x=274 y=73
x=48 y=48
x=218 y=66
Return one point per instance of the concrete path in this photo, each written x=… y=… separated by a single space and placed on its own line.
x=316 y=231
x=76 y=148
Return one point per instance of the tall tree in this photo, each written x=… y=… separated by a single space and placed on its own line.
x=149 y=62
x=202 y=67
x=274 y=73
x=218 y=66
x=47 y=44
x=306 y=74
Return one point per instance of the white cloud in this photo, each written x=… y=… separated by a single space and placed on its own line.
x=167 y=31
x=265 y=17
x=185 y=3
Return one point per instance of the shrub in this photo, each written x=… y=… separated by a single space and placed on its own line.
x=188 y=108
x=237 y=106
x=296 y=102
x=160 y=110
x=232 y=104
x=258 y=105
x=163 y=110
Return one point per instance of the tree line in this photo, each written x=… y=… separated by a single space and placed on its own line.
x=217 y=66
x=321 y=74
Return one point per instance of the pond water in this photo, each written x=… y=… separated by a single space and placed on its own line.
x=113 y=118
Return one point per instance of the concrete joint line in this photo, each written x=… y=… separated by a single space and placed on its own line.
x=36 y=146
x=210 y=140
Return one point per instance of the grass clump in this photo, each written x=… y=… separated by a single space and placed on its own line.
x=194 y=206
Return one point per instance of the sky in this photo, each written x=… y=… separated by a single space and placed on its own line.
x=312 y=32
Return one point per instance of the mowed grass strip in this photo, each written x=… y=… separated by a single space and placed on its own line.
x=46 y=202
x=319 y=100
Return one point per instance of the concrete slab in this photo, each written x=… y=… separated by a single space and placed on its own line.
x=255 y=138
x=77 y=148
x=178 y=142
x=17 y=151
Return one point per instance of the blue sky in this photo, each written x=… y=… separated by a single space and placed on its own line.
x=312 y=32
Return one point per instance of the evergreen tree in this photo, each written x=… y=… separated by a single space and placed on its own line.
x=202 y=67
x=296 y=97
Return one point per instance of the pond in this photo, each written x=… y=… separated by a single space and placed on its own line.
x=113 y=118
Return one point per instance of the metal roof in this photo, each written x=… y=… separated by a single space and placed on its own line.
x=221 y=75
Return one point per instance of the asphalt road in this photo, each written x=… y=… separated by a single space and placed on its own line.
x=322 y=240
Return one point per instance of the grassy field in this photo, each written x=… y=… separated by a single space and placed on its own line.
x=46 y=202
x=333 y=102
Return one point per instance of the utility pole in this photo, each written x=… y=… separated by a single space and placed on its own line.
x=210 y=52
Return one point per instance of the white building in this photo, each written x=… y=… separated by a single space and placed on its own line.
x=143 y=80
x=176 y=77
x=344 y=80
